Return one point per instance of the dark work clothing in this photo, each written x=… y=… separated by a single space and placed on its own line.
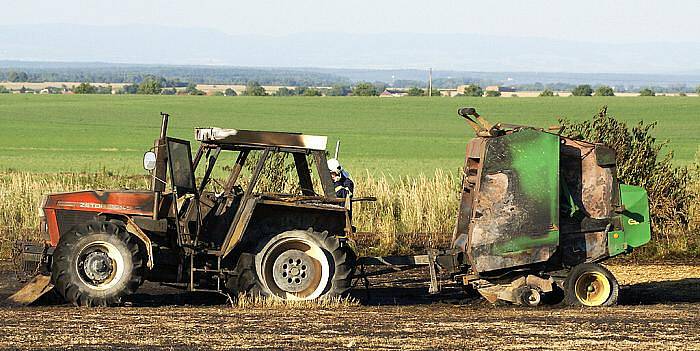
x=344 y=187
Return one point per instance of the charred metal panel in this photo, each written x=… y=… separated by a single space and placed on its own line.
x=222 y=136
x=583 y=247
x=515 y=210
x=589 y=173
x=104 y=201
x=470 y=181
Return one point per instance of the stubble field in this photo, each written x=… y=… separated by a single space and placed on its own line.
x=660 y=310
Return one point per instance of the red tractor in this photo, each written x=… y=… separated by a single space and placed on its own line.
x=229 y=238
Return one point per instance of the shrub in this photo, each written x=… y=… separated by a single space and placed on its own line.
x=365 y=89
x=582 y=90
x=604 y=90
x=493 y=93
x=473 y=90
x=415 y=91
x=647 y=92
x=547 y=93
x=85 y=88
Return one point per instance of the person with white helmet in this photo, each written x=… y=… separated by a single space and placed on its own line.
x=344 y=186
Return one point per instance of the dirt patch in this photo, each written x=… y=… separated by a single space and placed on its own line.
x=660 y=309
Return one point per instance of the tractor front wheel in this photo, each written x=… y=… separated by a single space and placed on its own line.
x=591 y=284
x=97 y=264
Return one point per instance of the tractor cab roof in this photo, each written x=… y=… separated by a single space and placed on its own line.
x=239 y=138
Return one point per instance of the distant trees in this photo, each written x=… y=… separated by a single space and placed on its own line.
x=647 y=92
x=85 y=88
x=229 y=92
x=547 y=93
x=312 y=92
x=15 y=77
x=103 y=89
x=415 y=91
x=604 y=90
x=697 y=90
x=582 y=90
x=192 y=90
x=284 y=91
x=493 y=93
x=434 y=92
x=130 y=89
x=473 y=90
x=150 y=86
x=365 y=89
x=253 y=88
x=339 y=90
x=168 y=91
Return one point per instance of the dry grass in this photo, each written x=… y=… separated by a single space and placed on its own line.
x=410 y=214
x=257 y=301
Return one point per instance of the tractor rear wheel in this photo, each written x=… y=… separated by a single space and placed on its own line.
x=305 y=265
x=591 y=284
x=97 y=264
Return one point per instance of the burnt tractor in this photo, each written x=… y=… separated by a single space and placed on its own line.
x=538 y=214
x=101 y=245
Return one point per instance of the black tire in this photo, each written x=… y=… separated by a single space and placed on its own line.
x=591 y=284
x=529 y=296
x=114 y=259
x=340 y=261
x=244 y=281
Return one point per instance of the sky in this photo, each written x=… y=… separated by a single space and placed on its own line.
x=620 y=21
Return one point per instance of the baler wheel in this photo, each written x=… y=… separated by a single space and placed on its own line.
x=529 y=296
x=305 y=265
x=591 y=284
x=97 y=264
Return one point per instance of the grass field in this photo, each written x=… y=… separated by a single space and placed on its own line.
x=405 y=136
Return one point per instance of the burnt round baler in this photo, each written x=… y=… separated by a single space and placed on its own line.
x=538 y=213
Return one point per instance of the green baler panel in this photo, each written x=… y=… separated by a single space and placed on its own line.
x=635 y=218
x=515 y=216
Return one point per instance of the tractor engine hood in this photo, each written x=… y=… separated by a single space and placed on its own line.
x=64 y=210
x=128 y=202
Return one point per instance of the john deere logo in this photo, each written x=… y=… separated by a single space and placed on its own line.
x=632 y=222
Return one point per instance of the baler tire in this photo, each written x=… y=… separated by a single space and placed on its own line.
x=115 y=246
x=593 y=278
x=340 y=258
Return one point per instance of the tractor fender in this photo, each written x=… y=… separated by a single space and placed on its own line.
x=134 y=229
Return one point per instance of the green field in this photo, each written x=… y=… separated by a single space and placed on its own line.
x=397 y=136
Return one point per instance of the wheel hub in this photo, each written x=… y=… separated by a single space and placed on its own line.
x=293 y=271
x=97 y=266
x=592 y=289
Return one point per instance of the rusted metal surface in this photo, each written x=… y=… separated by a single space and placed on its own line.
x=30 y=292
x=513 y=220
x=470 y=181
x=60 y=208
x=260 y=138
x=590 y=184
x=134 y=229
